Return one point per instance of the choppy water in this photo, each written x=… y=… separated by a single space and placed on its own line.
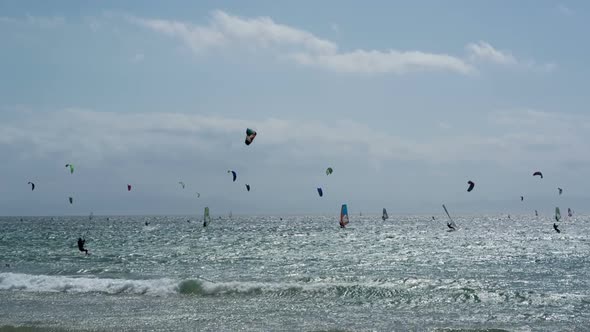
x=300 y=274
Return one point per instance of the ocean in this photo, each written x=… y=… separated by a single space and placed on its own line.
x=301 y=273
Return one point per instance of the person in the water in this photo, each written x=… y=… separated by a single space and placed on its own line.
x=81 y=245
x=555 y=228
x=450 y=226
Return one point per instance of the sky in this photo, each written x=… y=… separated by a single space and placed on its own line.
x=406 y=100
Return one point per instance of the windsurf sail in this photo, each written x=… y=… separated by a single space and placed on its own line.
x=451 y=224
x=536 y=213
x=206 y=217
x=570 y=213
x=557 y=214
x=344 y=216
x=384 y=216
x=91 y=216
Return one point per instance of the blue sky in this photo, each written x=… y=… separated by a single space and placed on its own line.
x=406 y=100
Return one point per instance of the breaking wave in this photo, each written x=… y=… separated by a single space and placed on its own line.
x=402 y=292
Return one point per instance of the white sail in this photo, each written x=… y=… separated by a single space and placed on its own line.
x=206 y=217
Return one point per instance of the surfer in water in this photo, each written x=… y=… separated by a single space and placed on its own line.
x=555 y=228
x=81 y=245
x=450 y=226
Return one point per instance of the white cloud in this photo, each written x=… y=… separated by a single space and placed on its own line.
x=375 y=62
x=484 y=52
x=300 y=46
x=444 y=125
x=515 y=136
x=37 y=21
x=335 y=27
x=138 y=57
x=565 y=10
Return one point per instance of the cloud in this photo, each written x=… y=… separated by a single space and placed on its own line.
x=482 y=52
x=90 y=135
x=444 y=125
x=138 y=57
x=565 y=10
x=335 y=27
x=101 y=135
x=377 y=62
x=37 y=21
x=300 y=46
x=154 y=150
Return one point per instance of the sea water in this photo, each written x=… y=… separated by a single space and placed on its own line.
x=301 y=273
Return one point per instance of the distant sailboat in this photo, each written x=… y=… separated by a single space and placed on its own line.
x=344 y=216
x=206 y=217
x=451 y=225
x=384 y=216
x=230 y=215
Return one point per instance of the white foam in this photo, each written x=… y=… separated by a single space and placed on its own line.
x=45 y=283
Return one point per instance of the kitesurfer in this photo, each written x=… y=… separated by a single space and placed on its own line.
x=450 y=226
x=81 y=245
x=555 y=228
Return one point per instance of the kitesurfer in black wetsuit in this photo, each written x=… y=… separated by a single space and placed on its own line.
x=555 y=228
x=450 y=226
x=81 y=245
